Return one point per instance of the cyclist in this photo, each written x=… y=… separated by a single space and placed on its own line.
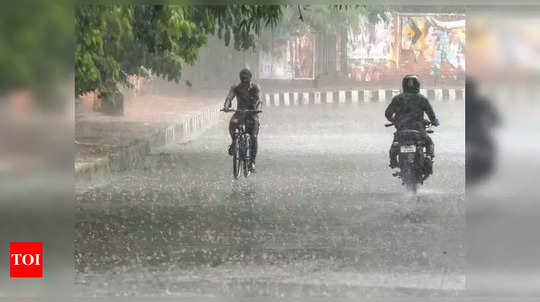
x=247 y=98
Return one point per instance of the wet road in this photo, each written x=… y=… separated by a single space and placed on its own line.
x=322 y=217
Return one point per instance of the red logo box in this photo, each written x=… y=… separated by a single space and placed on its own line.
x=25 y=259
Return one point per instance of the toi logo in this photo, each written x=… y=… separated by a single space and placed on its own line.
x=26 y=260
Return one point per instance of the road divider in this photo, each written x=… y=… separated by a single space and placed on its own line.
x=353 y=96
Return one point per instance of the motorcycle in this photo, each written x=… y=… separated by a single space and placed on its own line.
x=414 y=166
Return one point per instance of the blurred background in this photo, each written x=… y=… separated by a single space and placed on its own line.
x=502 y=150
x=37 y=93
x=36 y=134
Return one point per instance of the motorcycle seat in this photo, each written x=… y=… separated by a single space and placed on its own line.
x=409 y=134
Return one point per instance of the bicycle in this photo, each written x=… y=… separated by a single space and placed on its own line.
x=241 y=145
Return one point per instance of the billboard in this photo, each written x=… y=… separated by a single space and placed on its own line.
x=303 y=56
x=436 y=44
x=275 y=63
x=370 y=47
x=288 y=59
x=430 y=45
x=371 y=41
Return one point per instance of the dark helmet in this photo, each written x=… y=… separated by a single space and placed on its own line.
x=245 y=74
x=411 y=83
x=470 y=88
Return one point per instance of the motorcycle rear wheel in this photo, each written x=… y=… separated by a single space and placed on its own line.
x=410 y=180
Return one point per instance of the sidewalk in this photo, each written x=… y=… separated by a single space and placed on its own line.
x=107 y=144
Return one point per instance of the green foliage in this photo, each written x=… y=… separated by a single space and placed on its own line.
x=323 y=19
x=36 y=44
x=113 y=42
x=243 y=22
x=332 y=19
x=99 y=33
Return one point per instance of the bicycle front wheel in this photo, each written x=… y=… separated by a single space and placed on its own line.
x=246 y=168
x=247 y=155
x=236 y=160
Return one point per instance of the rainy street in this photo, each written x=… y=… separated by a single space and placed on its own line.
x=323 y=216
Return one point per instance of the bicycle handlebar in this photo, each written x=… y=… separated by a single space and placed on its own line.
x=245 y=110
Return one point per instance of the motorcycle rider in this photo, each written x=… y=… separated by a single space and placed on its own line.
x=247 y=98
x=406 y=111
x=481 y=118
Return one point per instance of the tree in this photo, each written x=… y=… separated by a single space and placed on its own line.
x=330 y=23
x=113 y=42
x=326 y=19
x=36 y=46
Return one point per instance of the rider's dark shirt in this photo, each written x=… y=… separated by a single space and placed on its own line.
x=407 y=109
x=247 y=97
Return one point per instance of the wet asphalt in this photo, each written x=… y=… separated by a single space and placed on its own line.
x=322 y=216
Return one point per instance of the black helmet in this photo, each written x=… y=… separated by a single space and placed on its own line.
x=245 y=74
x=470 y=88
x=411 y=83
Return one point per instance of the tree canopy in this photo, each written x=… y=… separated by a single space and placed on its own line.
x=36 y=44
x=113 y=42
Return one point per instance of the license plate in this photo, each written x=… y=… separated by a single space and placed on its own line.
x=408 y=148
